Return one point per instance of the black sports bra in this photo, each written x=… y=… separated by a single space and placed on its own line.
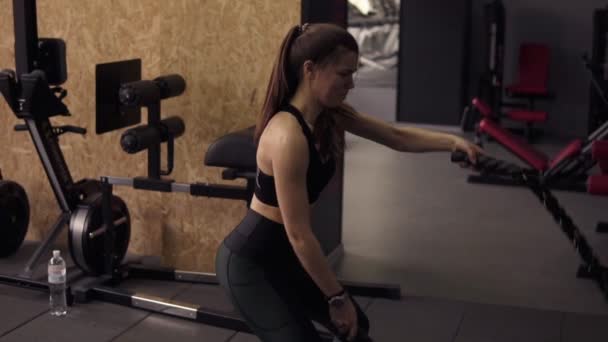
x=317 y=175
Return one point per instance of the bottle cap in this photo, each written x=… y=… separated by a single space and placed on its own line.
x=56 y=253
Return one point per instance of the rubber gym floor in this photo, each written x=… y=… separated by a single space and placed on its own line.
x=475 y=263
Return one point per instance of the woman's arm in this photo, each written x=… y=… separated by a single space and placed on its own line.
x=400 y=138
x=289 y=166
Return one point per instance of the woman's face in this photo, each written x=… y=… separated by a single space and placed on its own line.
x=334 y=80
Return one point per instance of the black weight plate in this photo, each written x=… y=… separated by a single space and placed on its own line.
x=88 y=252
x=14 y=217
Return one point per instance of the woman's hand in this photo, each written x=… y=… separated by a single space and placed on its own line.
x=344 y=318
x=472 y=150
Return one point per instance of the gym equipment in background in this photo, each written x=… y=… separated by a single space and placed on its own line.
x=532 y=73
x=82 y=204
x=14 y=215
x=531 y=84
x=375 y=27
x=597 y=184
x=566 y=171
x=40 y=64
x=598 y=112
x=592 y=267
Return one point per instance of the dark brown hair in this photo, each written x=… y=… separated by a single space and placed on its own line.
x=318 y=43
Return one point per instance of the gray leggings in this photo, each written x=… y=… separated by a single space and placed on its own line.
x=278 y=306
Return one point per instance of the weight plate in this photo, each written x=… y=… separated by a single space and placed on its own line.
x=14 y=217
x=87 y=234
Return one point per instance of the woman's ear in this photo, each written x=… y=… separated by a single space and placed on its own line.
x=309 y=69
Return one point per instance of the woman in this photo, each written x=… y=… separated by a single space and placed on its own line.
x=271 y=264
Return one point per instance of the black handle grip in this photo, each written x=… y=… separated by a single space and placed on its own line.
x=481 y=162
x=74 y=129
x=20 y=127
x=69 y=129
x=489 y=165
x=459 y=157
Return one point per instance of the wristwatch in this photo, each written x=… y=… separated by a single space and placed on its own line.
x=338 y=300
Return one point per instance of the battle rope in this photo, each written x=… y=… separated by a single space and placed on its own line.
x=592 y=267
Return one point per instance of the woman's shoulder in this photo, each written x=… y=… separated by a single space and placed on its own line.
x=283 y=132
x=284 y=126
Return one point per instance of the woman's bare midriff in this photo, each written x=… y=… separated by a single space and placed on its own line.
x=268 y=211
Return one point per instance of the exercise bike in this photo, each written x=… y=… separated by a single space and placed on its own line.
x=34 y=95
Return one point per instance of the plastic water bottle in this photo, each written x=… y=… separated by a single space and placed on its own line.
x=57 y=275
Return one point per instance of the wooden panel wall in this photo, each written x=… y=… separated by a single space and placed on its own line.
x=224 y=49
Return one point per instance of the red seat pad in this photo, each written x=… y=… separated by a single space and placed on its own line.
x=597 y=184
x=521 y=149
x=599 y=150
x=527 y=115
x=482 y=107
x=533 y=70
x=603 y=165
x=573 y=149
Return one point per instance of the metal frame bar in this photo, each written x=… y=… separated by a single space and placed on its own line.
x=26 y=35
x=52 y=165
x=196 y=189
x=61 y=222
x=100 y=289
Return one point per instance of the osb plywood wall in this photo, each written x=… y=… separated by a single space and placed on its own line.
x=224 y=49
